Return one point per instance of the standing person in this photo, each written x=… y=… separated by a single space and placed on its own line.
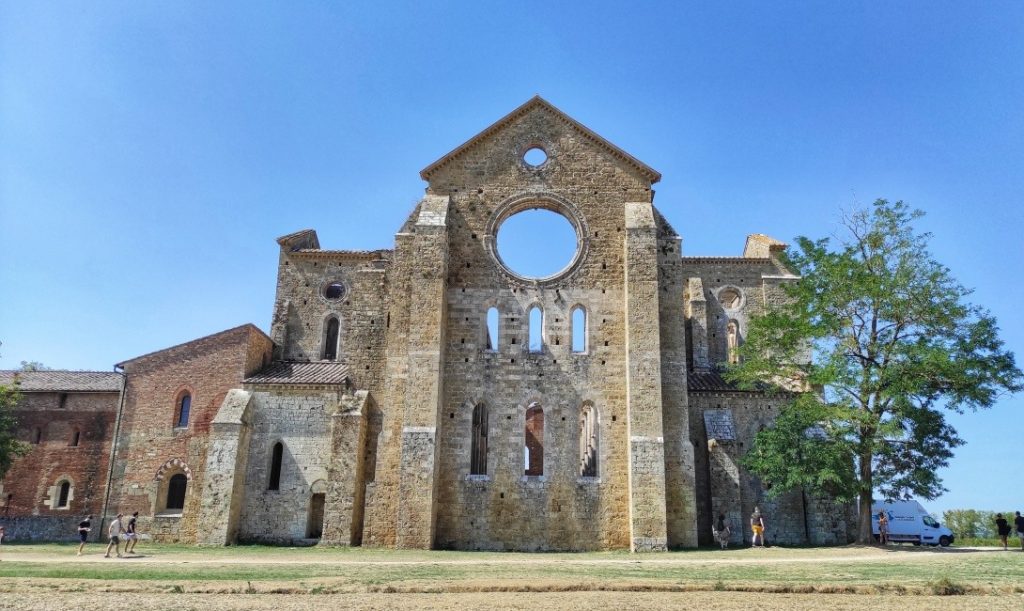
x=1 y=535
x=757 y=527
x=721 y=531
x=1019 y=523
x=1002 y=529
x=114 y=531
x=883 y=528
x=83 y=532
x=131 y=538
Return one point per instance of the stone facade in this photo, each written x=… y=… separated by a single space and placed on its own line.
x=385 y=409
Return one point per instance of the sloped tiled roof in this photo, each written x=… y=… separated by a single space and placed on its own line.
x=294 y=372
x=64 y=381
x=709 y=381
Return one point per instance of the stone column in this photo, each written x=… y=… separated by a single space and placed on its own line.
x=428 y=264
x=643 y=382
x=226 y=460
x=343 y=507
x=699 y=325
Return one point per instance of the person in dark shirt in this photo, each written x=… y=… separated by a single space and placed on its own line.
x=1019 y=523
x=1003 y=529
x=130 y=535
x=83 y=532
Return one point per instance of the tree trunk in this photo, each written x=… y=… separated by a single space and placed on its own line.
x=864 y=534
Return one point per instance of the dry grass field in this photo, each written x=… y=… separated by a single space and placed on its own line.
x=254 y=577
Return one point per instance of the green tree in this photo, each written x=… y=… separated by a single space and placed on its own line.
x=10 y=447
x=34 y=366
x=883 y=336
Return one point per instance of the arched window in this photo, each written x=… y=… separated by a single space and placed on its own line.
x=732 y=333
x=75 y=437
x=534 y=442
x=588 y=441
x=478 y=451
x=176 y=488
x=65 y=491
x=536 y=318
x=579 y=329
x=184 y=406
x=492 y=329
x=275 y=467
x=331 y=340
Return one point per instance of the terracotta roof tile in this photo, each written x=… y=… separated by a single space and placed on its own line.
x=294 y=372
x=64 y=381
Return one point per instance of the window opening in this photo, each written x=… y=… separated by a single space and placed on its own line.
x=65 y=491
x=75 y=437
x=492 y=328
x=536 y=329
x=732 y=339
x=331 y=340
x=275 y=467
x=478 y=451
x=176 y=488
x=38 y=437
x=184 y=406
x=588 y=441
x=579 y=329
x=534 y=446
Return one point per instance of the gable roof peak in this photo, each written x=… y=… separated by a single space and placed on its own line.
x=538 y=102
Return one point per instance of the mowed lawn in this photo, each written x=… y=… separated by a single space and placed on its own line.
x=254 y=569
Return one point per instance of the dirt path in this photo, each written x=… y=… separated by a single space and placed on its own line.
x=739 y=556
x=571 y=601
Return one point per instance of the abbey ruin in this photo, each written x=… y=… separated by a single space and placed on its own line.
x=398 y=400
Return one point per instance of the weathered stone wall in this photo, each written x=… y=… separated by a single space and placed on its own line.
x=300 y=419
x=32 y=485
x=505 y=509
x=150 y=448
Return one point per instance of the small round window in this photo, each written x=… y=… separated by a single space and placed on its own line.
x=334 y=291
x=535 y=157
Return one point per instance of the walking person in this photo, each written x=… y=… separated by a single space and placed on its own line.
x=1018 y=522
x=757 y=527
x=131 y=538
x=114 y=531
x=883 y=528
x=721 y=531
x=1002 y=529
x=83 y=532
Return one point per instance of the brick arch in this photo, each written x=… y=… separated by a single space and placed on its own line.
x=174 y=465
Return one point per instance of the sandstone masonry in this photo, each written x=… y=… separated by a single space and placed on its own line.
x=402 y=398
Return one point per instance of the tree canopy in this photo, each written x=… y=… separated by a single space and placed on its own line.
x=10 y=447
x=882 y=339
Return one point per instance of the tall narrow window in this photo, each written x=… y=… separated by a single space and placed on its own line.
x=37 y=437
x=536 y=318
x=492 y=328
x=275 y=467
x=478 y=451
x=75 y=437
x=579 y=329
x=184 y=406
x=331 y=340
x=176 y=488
x=588 y=441
x=732 y=332
x=65 y=491
x=534 y=440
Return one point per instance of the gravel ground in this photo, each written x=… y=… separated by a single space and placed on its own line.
x=706 y=601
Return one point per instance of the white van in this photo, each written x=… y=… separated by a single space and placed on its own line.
x=909 y=522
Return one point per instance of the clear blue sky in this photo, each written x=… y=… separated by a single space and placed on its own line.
x=150 y=152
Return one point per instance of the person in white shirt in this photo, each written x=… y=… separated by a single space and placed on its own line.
x=114 y=530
